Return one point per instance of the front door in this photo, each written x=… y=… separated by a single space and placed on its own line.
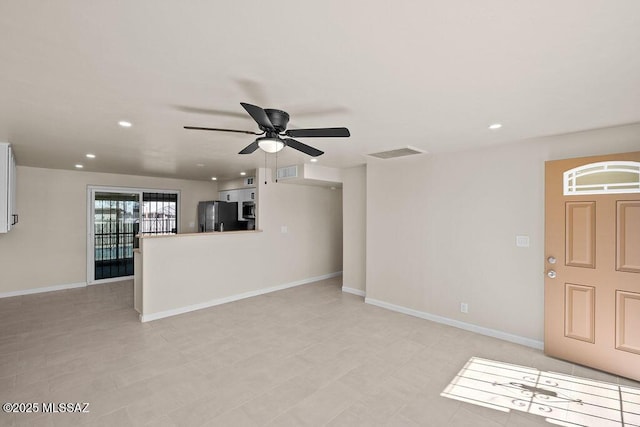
x=592 y=251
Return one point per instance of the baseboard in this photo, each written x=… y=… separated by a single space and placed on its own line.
x=41 y=290
x=458 y=324
x=354 y=291
x=111 y=280
x=231 y=298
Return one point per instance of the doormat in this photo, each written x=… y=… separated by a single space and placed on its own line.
x=562 y=399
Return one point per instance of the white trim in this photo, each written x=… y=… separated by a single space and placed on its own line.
x=110 y=280
x=458 y=324
x=41 y=290
x=231 y=298
x=354 y=291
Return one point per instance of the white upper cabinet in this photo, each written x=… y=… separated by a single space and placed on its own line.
x=247 y=195
x=240 y=195
x=8 y=216
x=228 y=195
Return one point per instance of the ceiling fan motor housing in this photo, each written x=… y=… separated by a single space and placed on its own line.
x=279 y=119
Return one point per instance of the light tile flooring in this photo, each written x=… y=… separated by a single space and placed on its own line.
x=560 y=398
x=309 y=355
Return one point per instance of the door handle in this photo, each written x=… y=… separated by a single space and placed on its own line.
x=551 y=260
x=552 y=274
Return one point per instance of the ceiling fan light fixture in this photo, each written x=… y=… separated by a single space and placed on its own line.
x=270 y=145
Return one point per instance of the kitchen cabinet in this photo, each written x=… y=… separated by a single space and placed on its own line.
x=240 y=195
x=8 y=216
x=229 y=195
x=247 y=195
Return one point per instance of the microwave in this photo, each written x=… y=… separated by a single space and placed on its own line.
x=248 y=210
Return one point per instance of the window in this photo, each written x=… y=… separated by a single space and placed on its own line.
x=603 y=178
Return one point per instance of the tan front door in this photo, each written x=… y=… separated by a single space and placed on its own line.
x=592 y=290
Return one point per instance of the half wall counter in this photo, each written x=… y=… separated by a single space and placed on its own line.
x=179 y=272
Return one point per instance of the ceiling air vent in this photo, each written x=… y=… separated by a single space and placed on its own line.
x=399 y=152
x=287 y=172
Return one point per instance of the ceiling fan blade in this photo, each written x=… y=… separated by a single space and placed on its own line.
x=208 y=111
x=317 y=111
x=250 y=148
x=259 y=115
x=224 y=130
x=297 y=145
x=318 y=133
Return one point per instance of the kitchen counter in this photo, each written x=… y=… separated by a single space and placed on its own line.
x=207 y=233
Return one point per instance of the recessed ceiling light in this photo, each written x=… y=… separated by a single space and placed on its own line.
x=213 y=178
x=313 y=160
x=200 y=165
x=243 y=173
x=91 y=156
x=124 y=124
x=79 y=166
x=495 y=126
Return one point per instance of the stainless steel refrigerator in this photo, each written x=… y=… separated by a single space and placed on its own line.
x=217 y=215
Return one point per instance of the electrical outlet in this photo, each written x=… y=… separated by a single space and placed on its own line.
x=464 y=307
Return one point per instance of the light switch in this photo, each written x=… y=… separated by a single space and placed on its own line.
x=522 y=241
x=284 y=229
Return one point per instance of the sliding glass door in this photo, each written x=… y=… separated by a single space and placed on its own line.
x=159 y=213
x=116 y=217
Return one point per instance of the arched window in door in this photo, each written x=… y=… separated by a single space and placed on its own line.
x=603 y=178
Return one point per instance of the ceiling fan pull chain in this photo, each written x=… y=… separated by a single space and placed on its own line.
x=276 y=167
x=265 y=168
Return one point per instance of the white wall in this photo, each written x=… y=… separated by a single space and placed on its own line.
x=354 y=205
x=441 y=228
x=49 y=245
x=192 y=270
x=236 y=183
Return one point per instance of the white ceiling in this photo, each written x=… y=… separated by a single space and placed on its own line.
x=428 y=74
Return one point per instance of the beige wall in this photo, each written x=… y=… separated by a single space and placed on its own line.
x=236 y=183
x=441 y=228
x=191 y=270
x=48 y=247
x=354 y=228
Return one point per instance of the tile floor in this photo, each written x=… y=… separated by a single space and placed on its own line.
x=305 y=356
x=560 y=398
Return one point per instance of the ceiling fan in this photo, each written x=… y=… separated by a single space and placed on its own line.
x=273 y=124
